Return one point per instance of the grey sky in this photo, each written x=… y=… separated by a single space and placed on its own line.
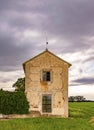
x=68 y=26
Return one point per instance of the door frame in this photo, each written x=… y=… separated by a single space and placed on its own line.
x=46 y=94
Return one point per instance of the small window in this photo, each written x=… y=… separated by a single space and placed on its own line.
x=46 y=103
x=46 y=76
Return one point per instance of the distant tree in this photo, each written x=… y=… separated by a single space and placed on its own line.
x=76 y=99
x=19 y=84
x=80 y=98
x=71 y=99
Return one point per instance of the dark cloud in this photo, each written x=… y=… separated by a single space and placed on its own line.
x=68 y=21
x=89 y=59
x=69 y=18
x=13 y=57
x=73 y=84
x=83 y=81
x=13 y=52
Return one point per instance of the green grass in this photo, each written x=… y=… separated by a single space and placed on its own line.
x=81 y=109
x=79 y=119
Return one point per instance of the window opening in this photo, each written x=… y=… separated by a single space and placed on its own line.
x=46 y=76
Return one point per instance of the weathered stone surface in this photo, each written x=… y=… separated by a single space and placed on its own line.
x=35 y=87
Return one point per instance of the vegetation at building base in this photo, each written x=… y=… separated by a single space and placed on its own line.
x=79 y=119
x=13 y=102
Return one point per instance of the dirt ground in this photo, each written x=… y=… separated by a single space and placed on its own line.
x=92 y=120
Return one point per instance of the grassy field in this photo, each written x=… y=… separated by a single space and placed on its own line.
x=80 y=115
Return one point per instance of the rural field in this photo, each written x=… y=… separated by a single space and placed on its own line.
x=81 y=117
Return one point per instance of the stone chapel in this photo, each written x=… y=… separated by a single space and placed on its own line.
x=46 y=84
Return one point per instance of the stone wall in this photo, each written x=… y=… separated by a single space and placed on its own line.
x=57 y=87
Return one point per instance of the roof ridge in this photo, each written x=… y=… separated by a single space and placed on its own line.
x=43 y=53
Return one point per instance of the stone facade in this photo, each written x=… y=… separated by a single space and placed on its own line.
x=46 y=84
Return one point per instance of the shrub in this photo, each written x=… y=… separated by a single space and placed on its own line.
x=13 y=102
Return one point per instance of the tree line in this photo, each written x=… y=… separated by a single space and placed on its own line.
x=78 y=99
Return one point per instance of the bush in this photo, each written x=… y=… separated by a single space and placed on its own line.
x=13 y=102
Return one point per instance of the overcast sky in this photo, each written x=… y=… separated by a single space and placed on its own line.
x=68 y=26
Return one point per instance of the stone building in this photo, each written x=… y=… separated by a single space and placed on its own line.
x=46 y=84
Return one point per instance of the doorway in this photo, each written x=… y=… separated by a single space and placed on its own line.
x=47 y=103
